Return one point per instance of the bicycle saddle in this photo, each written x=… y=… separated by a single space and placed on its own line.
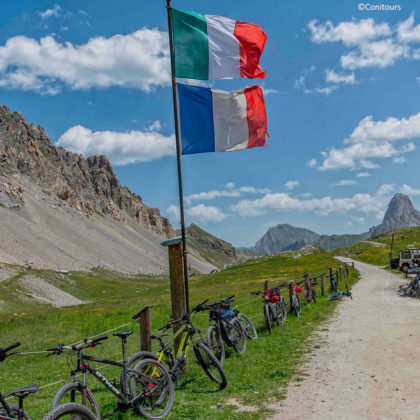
x=23 y=392
x=158 y=336
x=124 y=334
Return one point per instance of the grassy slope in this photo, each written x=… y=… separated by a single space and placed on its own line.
x=254 y=377
x=369 y=253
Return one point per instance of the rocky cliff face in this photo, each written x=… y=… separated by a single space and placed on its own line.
x=88 y=185
x=400 y=214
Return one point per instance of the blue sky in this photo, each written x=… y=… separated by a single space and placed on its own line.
x=342 y=95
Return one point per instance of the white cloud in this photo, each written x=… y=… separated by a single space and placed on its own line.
x=201 y=213
x=374 y=139
x=343 y=183
x=399 y=159
x=206 y=214
x=301 y=84
x=138 y=60
x=54 y=12
x=407 y=32
x=312 y=163
x=362 y=174
x=369 y=44
x=230 y=191
x=349 y=33
x=406 y=189
x=333 y=77
x=290 y=185
x=120 y=148
x=155 y=126
x=364 y=203
x=269 y=91
x=380 y=54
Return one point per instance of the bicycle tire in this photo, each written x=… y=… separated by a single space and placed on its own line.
x=75 y=387
x=222 y=382
x=249 y=328
x=295 y=305
x=239 y=343
x=166 y=386
x=284 y=309
x=314 y=295
x=216 y=343
x=76 y=412
x=267 y=316
x=15 y=411
x=299 y=304
x=131 y=362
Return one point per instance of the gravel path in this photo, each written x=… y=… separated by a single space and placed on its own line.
x=368 y=365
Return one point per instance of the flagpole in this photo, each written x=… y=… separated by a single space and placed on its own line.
x=178 y=156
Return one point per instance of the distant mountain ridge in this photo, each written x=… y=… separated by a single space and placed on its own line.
x=400 y=214
x=285 y=237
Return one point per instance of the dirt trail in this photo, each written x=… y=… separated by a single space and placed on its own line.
x=368 y=365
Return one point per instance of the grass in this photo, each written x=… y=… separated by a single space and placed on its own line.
x=373 y=254
x=255 y=378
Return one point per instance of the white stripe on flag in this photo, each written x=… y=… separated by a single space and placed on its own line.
x=223 y=48
x=230 y=121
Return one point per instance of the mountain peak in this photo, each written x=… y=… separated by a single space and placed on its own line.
x=400 y=214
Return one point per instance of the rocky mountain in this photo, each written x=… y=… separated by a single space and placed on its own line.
x=60 y=210
x=214 y=250
x=400 y=214
x=285 y=237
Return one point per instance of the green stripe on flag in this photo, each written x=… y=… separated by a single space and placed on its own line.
x=191 y=45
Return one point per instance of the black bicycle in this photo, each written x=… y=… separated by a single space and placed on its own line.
x=205 y=358
x=226 y=327
x=70 y=411
x=295 y=305
x=11 y=411
x=333 y=284
x=338 y=295
x=147 y=388
x=310 y=292
x=274 y=306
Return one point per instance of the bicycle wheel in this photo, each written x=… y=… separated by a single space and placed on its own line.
x=299 y=306
x=314 y=295
x=295 y=305
x=248 y=326
x=153 y=383
x=71 y=411
x=239 y=340
x=210 y=365
x=215 y=343
x=132 y=362
x=15 y=411
x=284 y=310
x=267 y=316
x=72 y=393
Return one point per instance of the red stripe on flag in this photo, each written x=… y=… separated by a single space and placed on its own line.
x=257 y=117
x=251 y=45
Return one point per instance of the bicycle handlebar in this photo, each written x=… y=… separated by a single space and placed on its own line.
x=13 y=346
x=76 y=347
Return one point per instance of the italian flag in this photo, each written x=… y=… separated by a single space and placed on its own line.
x=215 y=47
x=213 y=120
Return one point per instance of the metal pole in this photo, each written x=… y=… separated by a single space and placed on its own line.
x=178 y=155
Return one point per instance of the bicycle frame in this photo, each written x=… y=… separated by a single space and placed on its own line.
x=187 y=332
x=84 y=367
x=4 y=404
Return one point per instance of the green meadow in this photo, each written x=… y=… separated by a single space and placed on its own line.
x=255 y=378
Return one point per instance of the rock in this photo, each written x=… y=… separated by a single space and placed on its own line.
x=88 y=185
x=400 y=214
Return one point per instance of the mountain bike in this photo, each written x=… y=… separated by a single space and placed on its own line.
x=334 y=284
x=147 y=388
x=274 y=306
x=225 y=327
x=339 y=295
x=310 y=292
x=295 y=305
x=206 y=359
x=10 y=411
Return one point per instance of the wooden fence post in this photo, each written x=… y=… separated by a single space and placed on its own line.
x=267 y=285
x=145 y=324
x=176 y=277
x=323 y=284
x=306 y=276
x=290 y=294
x=341 y=274
x=347 y=272
x=352 y=264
